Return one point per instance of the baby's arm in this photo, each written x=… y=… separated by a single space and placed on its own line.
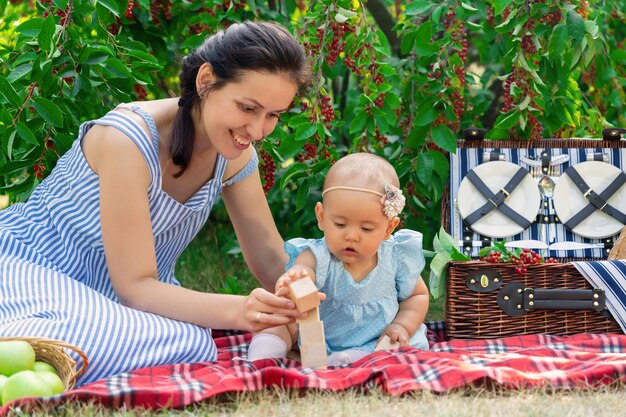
x=410 y=316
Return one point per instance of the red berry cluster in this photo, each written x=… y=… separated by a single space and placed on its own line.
x=158 y=8
x=337 y=44
x=268 y=167
x=490 y=15
x=309 y=152
x=552 y=18
x=326 y=109
x=380 y=138
x=521 y=79
x=39 y=170
x=129 y=10
x=528 y=44
x=522 y=260
x=140 y=91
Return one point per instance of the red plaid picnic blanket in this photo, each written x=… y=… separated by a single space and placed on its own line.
x=515 y=362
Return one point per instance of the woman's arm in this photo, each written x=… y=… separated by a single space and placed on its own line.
x=129 y=247
x=261 y=244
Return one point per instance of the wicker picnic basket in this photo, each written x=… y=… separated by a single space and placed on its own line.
x=473 y=312
x=477 y=315
x=53 y=352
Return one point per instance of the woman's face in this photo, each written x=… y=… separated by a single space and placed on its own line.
x=242 y=112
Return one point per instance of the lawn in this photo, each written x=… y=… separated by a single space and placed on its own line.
x=203 y=266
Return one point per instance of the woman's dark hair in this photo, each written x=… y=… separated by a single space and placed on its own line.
x=247 y=46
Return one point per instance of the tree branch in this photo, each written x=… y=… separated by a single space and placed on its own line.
x=385 y=22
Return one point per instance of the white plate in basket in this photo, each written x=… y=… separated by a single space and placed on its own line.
x=525 y=199
x=569 y=200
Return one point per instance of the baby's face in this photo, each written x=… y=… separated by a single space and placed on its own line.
x=354 y=226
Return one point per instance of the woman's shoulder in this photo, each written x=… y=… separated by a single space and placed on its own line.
x=234 y=166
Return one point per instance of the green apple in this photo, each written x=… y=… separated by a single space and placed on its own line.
x=40 y=366
x=24 y=384
x=15 y=356
x=53 y=381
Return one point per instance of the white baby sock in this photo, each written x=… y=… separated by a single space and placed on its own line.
x=346 y=356
x=265 y=346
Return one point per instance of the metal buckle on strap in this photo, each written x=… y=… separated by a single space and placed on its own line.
x=586 y=194
x=505 y=192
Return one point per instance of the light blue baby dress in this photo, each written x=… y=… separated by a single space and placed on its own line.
x=356 y=313
x=54 y=281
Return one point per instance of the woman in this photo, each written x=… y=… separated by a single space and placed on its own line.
x=90 y=257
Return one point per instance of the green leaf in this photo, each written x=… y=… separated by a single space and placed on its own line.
x=7 y=90
x=302 y=195
x=618 y=55
x=25 y=133
x=61 y=4
x=426 y=115
x=14 y=166
x=30 y=28
x=424 y=169
x=575 y=26
x=111 y=5
x=507 y=121
x=444 y=138
x=500 y=5
x=49 y=111
x=117 y=68
x=19 y=72
x=305 y=131
x=558 y=40
x=416 y=8
x=294 y=171
x=468 y=7
x=358 y=122
x=437 y=278
x=46 y=34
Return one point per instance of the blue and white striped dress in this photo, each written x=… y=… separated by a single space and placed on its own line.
x=54 y=280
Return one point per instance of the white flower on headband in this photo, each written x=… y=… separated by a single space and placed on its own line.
x=393 y=201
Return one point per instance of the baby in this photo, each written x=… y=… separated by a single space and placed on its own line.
x=370 y=276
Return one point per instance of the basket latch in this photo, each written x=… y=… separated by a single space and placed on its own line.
x=515 y=299
x=484 y=280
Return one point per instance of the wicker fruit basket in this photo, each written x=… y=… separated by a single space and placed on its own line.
x=53 y=352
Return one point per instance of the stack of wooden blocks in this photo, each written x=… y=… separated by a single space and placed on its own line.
x=311 y=329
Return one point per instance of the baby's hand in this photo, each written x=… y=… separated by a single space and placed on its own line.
x=396 y=333
x=287 y=278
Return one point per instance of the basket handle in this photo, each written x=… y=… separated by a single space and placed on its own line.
x=515 y=299
x=58 y=343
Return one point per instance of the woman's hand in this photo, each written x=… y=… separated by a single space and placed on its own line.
x=263 y=310
x=396 y=333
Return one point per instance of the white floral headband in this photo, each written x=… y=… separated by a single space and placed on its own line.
x=392 y=201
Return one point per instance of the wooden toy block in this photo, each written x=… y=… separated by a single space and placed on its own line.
x=314 y=315
x=385 y=344
x=304 y=293
x=314 y=356
x=311 y=333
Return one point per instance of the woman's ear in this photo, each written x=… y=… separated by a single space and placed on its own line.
x=204 y=78
x=393 y=223
x=319 y=214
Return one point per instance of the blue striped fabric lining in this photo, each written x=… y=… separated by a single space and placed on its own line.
x=611 y=277
x=468 y=158
x=53 y=276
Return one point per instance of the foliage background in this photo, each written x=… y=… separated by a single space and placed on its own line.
x=400 y=79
